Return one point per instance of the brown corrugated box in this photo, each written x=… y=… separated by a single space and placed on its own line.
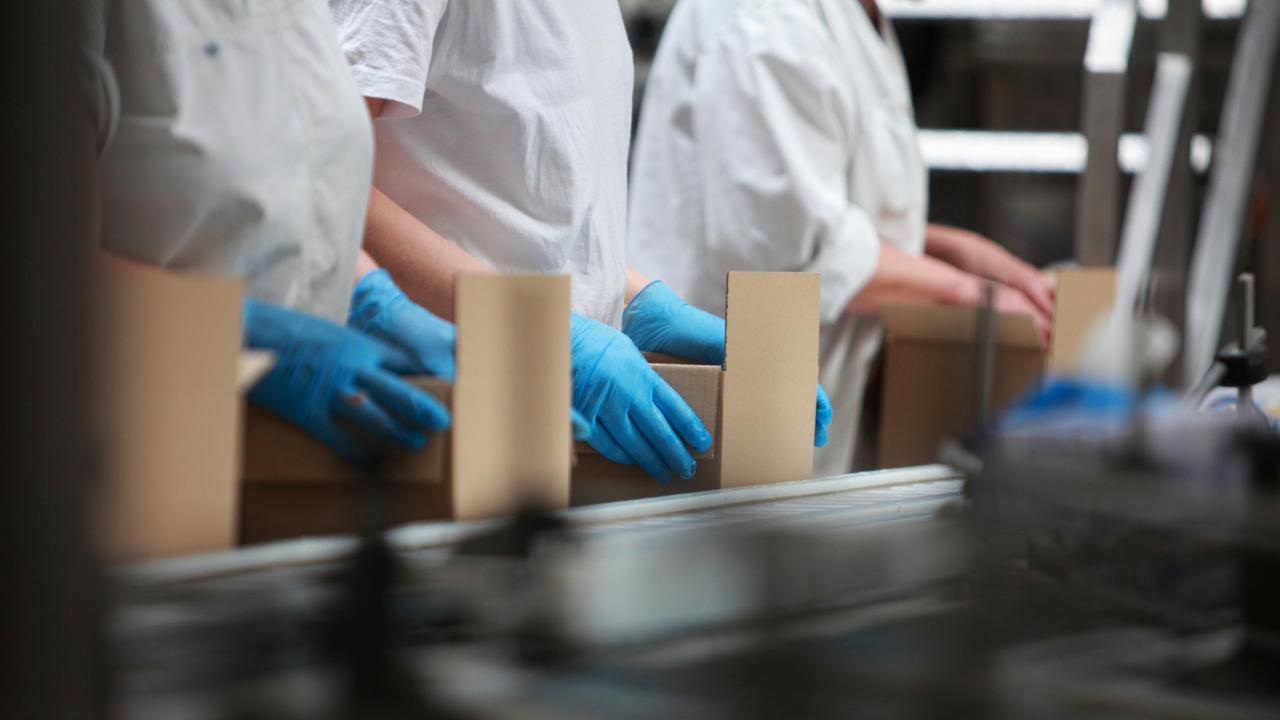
x=168 y=410
x=759 y=409
x=509 y=442
x=927 y=392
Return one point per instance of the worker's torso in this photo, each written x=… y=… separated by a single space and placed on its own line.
x=243 y=147
x=520 y=152
x=886 y=177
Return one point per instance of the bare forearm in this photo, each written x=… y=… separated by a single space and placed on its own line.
x=980 y=256
x=960 y=248
x=901 y=277
x=423 y=263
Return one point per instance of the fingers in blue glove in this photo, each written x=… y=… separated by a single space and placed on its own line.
x=381 y=309
x=681 y=417
x=604 y=444
x=364 y=413
x=653 y=427
x=414 y=406
x=822 y=420
x=639 y=447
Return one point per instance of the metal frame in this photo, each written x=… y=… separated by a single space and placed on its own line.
x=310 y=551
x=1230 y=179
x=1106 y=67
x=1146 y=211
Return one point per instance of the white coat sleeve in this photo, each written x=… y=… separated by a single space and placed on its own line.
x=388 y=44
x=775 y=133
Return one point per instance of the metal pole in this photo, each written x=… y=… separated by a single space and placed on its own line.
x=1235 y=156
x=984 y=358
x=1146 y=211
x=1244 y=402
x=1180 y=33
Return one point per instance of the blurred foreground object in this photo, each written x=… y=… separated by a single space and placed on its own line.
x=51 y=662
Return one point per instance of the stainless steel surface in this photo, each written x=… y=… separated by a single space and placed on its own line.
x=1143 y=219
x=1106 y=65
x=877 y=494
x=1218 y=236
x=1245 y=283
x=1179 y=33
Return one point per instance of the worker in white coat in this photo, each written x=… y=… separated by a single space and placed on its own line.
x=244 y=149
x=503 y=132
x=779 y=135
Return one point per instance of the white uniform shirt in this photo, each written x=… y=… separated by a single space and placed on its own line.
x=243 y=147
x=508 y=129
x=779 y=135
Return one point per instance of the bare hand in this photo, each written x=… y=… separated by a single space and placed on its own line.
x=1040 y=288
x=1013 y=300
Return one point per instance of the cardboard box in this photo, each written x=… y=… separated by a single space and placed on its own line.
x=1085 y=296
x=759 y=408
x=928 y=380
x=509 y=443
x=168 y=410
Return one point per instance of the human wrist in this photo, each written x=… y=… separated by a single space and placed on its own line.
x=374 y=294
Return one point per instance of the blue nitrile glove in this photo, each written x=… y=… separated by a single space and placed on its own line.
x=634 y=416
x=581 y=428
x=382 y=310
x=338 y=383
x=657 y=320
x=822 y=419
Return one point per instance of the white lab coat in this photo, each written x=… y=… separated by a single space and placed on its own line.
x=508 y=129
x=779 y=135
x=243 y=147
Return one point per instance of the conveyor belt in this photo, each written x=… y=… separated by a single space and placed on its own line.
x=847 y=500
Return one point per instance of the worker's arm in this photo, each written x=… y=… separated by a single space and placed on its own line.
x=980 y=256
x=421 y=261
x=902 y=277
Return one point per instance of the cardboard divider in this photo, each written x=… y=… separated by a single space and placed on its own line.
x=759 y=409
x=771 y=378
x=509 y=444
x=513 y=394
x=167 y=364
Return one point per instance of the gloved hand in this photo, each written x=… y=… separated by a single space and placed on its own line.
x=634 y=416
x=657 y=320
x=338 y=383
x=381 y=309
